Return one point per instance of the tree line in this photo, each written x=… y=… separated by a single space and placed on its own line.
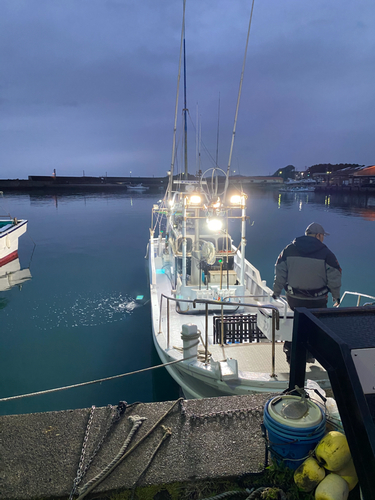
x=288 y=172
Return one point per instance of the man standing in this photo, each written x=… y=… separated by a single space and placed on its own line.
x=308 y=271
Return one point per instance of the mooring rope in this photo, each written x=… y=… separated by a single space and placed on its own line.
x=48 y=391
x=166 y=435
x=125 y=455
x=137 y=422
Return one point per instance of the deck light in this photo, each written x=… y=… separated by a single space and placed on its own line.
x=236 y=199
x=195 y=199
x=214 y=224
x=216 y=204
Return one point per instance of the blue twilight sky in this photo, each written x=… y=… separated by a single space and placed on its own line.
x=90 y=85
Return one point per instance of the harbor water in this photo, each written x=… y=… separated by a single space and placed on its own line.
x=85 y=313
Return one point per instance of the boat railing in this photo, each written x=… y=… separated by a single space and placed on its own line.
x=222 y=303
x=266 y=296
x=359 y=297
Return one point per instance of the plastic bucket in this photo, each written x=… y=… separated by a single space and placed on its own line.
x=291 y=439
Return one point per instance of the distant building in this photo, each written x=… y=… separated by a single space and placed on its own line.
x=342 y=177
x=365 y=177
x=351 y=176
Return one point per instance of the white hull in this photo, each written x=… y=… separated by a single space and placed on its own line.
x=9 y=235
x=235 y=369
x=136 y=188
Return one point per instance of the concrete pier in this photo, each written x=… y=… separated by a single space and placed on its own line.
x=209 y=438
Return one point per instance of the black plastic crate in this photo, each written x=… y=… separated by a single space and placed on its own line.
x=238 y=329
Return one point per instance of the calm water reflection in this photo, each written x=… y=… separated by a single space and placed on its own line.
x=79 y=319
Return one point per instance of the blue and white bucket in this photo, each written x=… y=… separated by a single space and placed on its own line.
x=292 y=437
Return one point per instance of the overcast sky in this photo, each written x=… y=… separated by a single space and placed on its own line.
x=90 y=85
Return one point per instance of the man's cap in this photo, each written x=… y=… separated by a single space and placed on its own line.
x=315 y=228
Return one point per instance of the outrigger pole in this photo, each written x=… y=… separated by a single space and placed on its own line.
x=170 y=183
x=238 y=101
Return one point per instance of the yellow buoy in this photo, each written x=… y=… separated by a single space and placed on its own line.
x=309 y=474
x=332 y=451
x=333 y=487
x=349 y=474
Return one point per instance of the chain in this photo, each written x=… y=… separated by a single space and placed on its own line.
x=240 y=413
x=82 y=469
x=236 y=413
x=79 y=476
x=137 y=422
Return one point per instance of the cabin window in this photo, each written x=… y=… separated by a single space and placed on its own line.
x=224 y=244
x=189 y=245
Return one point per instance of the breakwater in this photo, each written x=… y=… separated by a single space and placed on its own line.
x=86 y=183
x=152 y=184
x=178 y=442
x=62 y=183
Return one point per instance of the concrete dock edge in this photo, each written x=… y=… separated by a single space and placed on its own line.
x=210 y=438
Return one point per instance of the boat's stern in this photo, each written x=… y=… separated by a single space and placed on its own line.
x=10 y=231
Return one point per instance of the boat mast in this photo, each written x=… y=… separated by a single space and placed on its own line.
x=185 y=112
x=184 y=217
x=217 y=134
x=198 y=140
x=184 y=209
x=170 y=182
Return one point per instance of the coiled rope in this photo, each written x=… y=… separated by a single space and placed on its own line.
x=48 y=391
x=229 y=494
x=252 y=494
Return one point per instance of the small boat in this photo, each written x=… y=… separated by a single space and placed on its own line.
x=10 y=231
x=12 y=275
x=297 y=189
x=136 y=187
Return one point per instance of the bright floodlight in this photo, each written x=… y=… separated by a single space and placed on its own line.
x=214 y=224
x=195 y=199
x=236 y=199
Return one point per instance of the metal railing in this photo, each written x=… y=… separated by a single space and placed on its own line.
x=359 y=297
x=275 y=320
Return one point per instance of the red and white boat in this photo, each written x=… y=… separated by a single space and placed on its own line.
x=10 y=231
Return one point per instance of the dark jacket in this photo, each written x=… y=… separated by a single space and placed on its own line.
x=306 y=268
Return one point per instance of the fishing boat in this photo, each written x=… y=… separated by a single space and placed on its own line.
x=215 y=324
x=10 y=231
x=136 y=187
